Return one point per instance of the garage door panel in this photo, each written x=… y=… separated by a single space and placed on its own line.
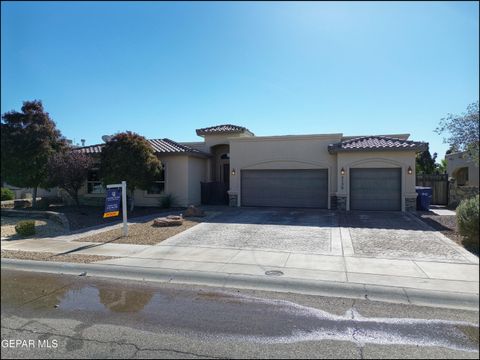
x=375 y=189
x=285 y=188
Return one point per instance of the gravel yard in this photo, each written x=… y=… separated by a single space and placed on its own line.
x=141 y=234
x=48 y=256
x=87 y=216
x=43 y=227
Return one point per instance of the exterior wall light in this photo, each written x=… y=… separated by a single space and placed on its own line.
x=233 y=172
x=409 y=170
x=342 y=172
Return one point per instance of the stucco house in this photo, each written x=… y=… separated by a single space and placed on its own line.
x=328 y=171
x=463 y=174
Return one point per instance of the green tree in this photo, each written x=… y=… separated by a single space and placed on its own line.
x=463 y=131
x=425 y=162
x=128 y=156
x=28 y=139
x=442 y=166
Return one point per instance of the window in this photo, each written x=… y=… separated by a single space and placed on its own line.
x=94 y=185
x=158 y=186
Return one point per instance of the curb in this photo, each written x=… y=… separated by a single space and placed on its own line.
x=390 y=294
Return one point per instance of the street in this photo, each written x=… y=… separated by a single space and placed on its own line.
x=67 y=316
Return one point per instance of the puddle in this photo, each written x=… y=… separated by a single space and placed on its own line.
x=222 y=315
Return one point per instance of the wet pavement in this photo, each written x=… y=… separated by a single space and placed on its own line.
x=106 y=318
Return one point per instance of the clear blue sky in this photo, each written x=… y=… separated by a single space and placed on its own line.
x=165 y=69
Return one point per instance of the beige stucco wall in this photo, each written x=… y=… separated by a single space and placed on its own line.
x=282 y=152
x=457 y=161
x=374 y=159
x=176 y=183
x=197 y=173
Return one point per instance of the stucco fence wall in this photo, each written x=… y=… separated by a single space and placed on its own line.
x=459 y=193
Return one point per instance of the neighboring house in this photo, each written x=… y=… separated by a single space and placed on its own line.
x=328 y=171
x=463 y=173
x=462 y=169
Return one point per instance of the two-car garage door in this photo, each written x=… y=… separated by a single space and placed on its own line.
x=285 y=188
x=370 y=188
x=375 y=189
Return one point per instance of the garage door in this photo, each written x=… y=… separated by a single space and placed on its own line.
x=285 y=188
x=375 y=189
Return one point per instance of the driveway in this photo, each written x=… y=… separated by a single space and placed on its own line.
x=295 y=230
x=394 y=235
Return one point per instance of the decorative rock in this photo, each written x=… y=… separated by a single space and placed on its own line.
x=170 y=220
x=193 y=211
x=20 y=204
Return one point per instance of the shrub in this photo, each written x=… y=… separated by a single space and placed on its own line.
x=167 y=201
x=467 y=221
x=7 y=194
x=25 y=227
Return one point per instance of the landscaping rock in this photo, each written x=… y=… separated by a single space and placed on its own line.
x=193 y=211
x=20 y=204
x=171 y=220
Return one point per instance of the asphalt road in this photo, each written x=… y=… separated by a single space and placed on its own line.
x=65 y=316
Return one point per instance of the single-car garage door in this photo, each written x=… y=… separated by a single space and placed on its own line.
x=285 y=188
x=375 y=189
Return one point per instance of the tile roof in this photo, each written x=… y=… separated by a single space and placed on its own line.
x=371 y=143
x=160 y=146
x=222 y=129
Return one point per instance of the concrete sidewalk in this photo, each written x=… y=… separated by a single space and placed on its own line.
x=399 y=277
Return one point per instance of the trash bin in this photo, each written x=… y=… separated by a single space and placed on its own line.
x=424 y=197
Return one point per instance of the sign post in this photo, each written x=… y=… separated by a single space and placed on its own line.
x=112 y=203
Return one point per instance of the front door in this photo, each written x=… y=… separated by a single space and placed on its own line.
x=226 y=175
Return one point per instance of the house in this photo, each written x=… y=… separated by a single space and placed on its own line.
x=463 y=173
x=328 y=171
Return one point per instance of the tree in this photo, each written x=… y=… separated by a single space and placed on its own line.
x=442 y=166
x=128 y=156
x=463 y=131
x=28 y=139
x=69 y=170
x=425 y=162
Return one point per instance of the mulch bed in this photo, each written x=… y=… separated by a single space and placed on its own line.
x=49 y=256
x=87 y=216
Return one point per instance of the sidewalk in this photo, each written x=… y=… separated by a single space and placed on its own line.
x=381 y=279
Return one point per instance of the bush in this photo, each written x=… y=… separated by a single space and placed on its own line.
x=25 y=227
x=167 y=201
x=7 y=194
x=467 y=221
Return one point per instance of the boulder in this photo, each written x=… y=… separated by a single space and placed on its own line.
x=170 y=220
x=193 y=211
x=20 y=204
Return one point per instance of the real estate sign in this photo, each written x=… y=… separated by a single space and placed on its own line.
x=112 y=202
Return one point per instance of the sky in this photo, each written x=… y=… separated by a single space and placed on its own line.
x=164 y=69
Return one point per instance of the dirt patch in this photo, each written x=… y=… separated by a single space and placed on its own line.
x=141 y=234
x=49 y=256
x=43 y=228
